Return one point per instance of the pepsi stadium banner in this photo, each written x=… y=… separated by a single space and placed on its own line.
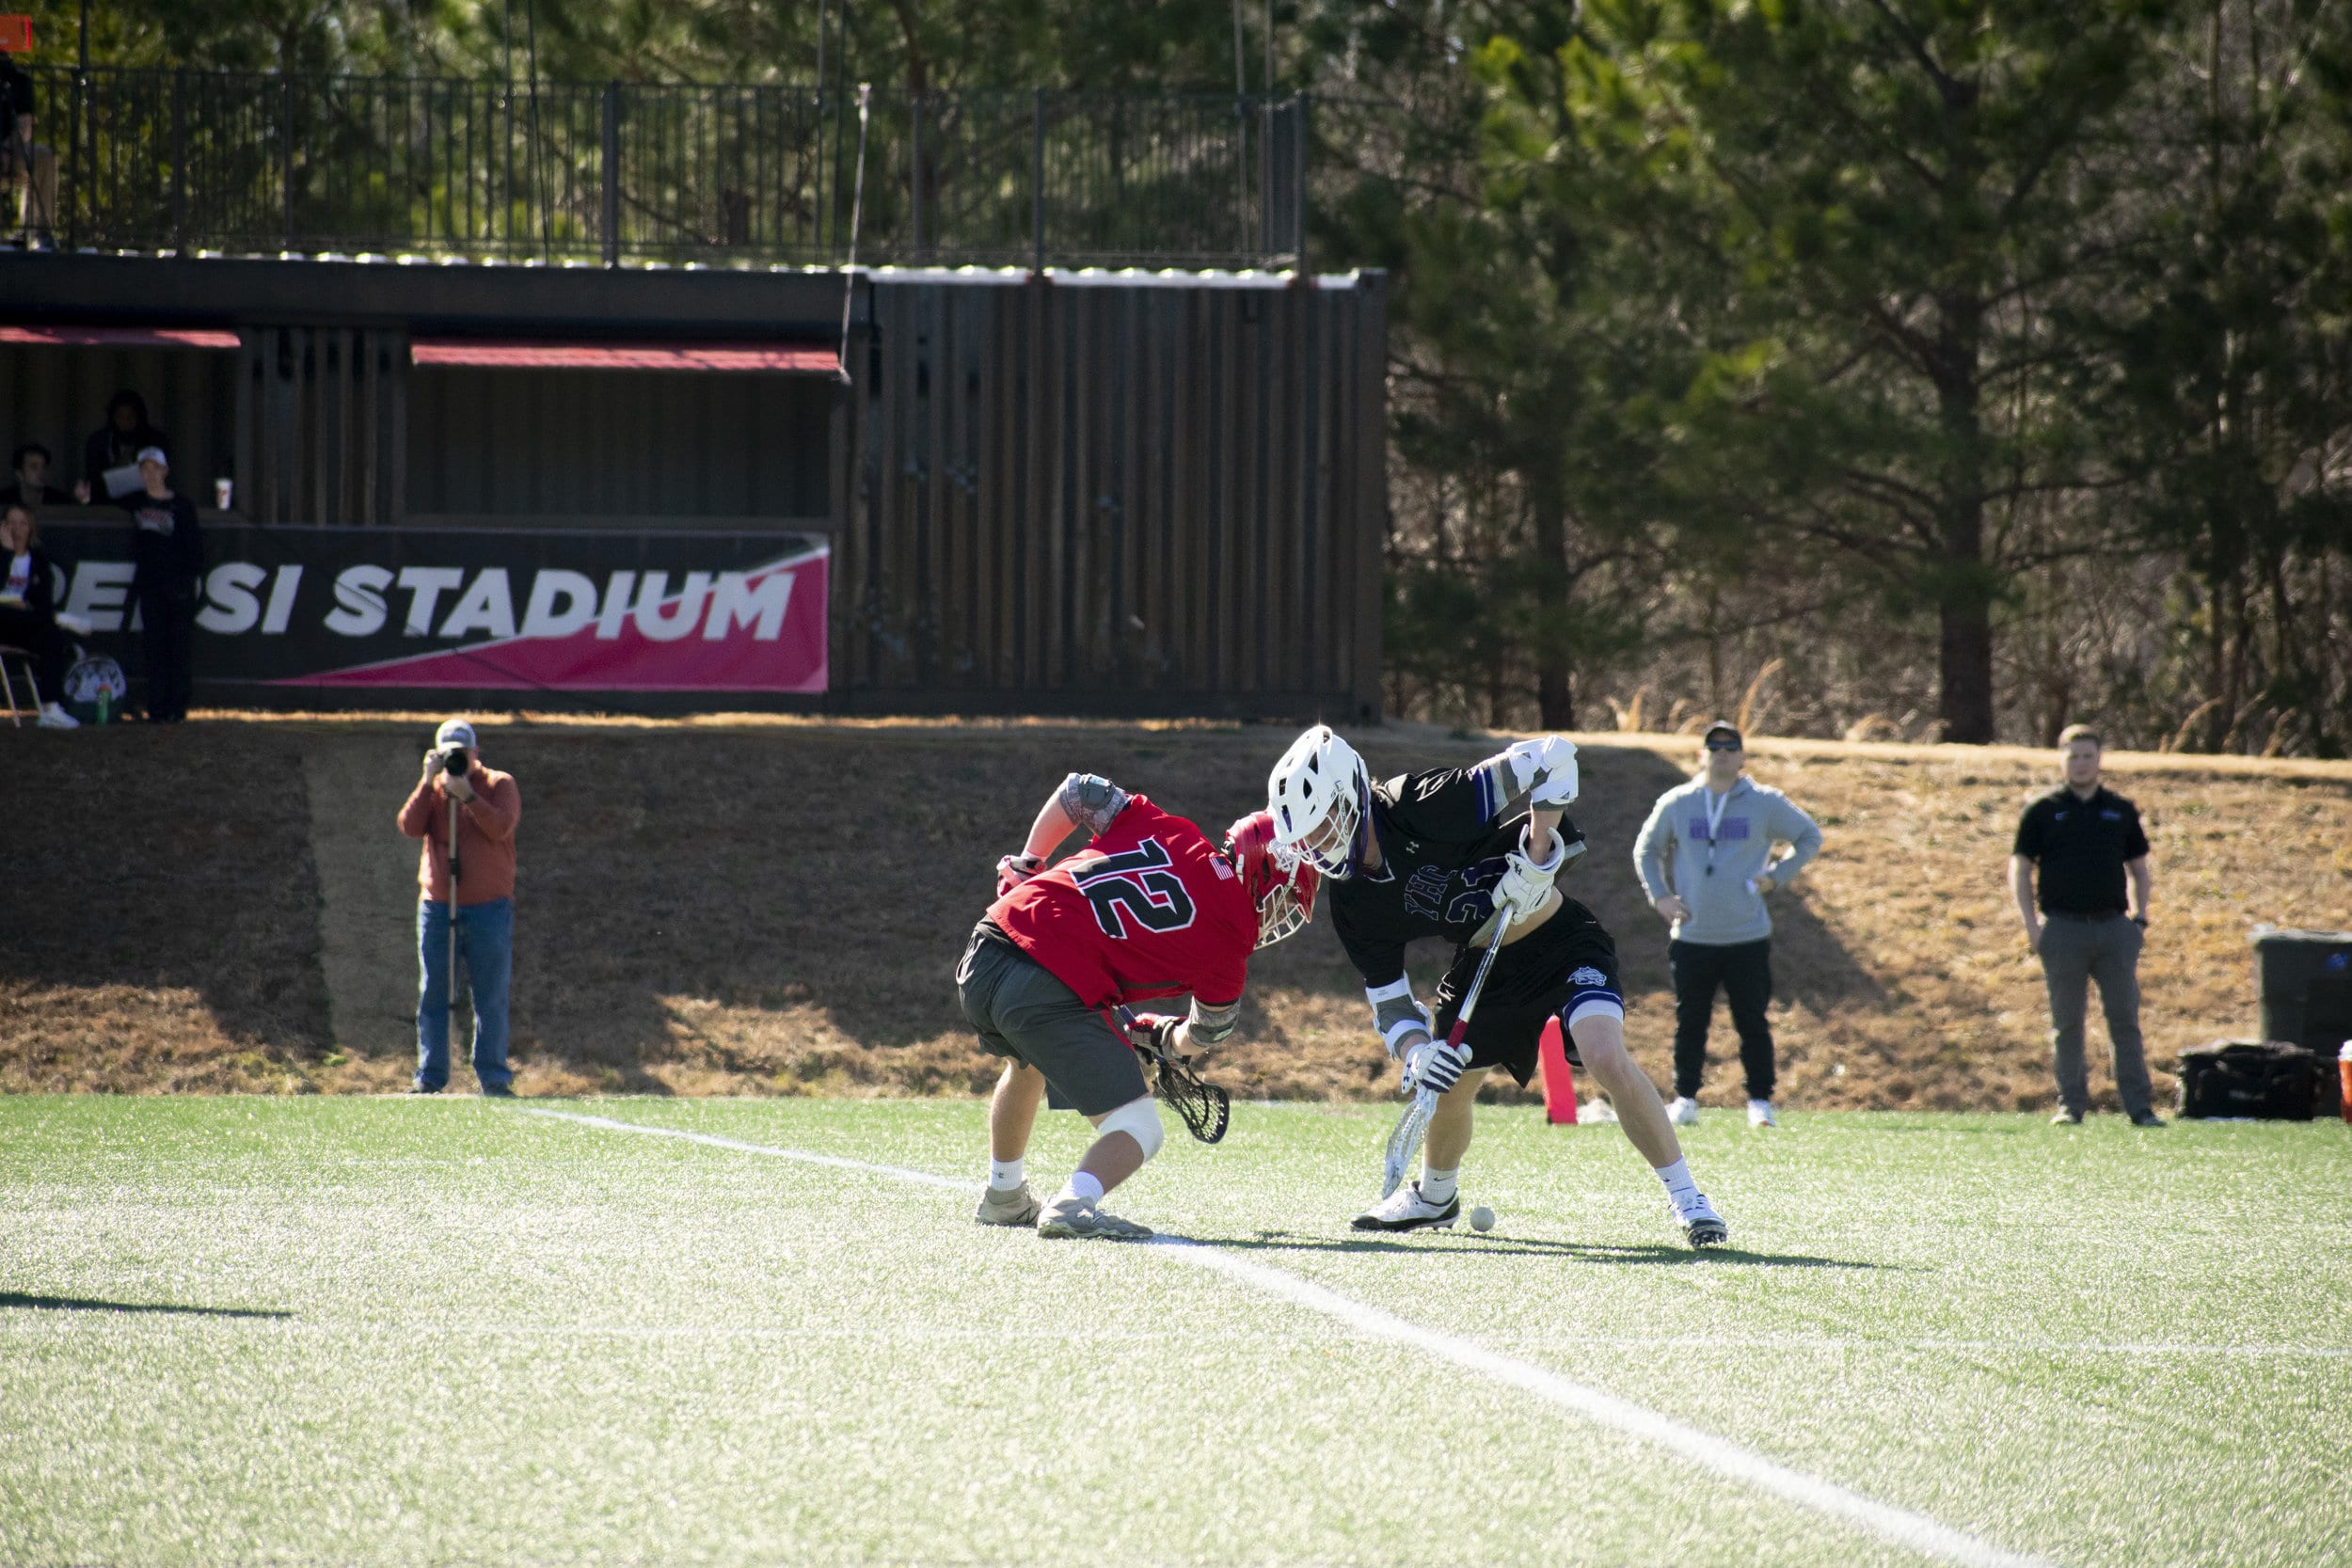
x=298 y=613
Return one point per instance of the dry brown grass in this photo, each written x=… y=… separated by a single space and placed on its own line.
x=775 y=907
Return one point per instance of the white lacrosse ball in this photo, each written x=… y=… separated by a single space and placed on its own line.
x=1481 y=1218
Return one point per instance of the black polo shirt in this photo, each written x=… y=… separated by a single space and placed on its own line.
x=2081 y=847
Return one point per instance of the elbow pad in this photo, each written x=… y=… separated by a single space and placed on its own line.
x=1544 y=770
x=1395 y=1014
x=1091 y=801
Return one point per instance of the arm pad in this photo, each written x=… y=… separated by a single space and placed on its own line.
x=1091 y=801
x=1395 y=1013
x=1544 y=770
x=1208 y=1025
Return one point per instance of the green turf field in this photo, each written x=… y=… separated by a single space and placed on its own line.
x=393 y=1331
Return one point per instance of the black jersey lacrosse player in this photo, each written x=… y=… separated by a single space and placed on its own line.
x=1443 y=854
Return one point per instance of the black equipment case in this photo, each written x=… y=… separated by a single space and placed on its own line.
x=2272 y=1081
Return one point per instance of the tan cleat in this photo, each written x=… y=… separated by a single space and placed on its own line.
x=1074 y=1217
x=1018 y=1207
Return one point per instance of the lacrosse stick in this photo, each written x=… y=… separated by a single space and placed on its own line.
x=1205 y=1107
x=1414 y=1124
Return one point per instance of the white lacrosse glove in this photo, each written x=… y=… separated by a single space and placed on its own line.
x=1013 y=870
x=1526 y=884
x=1434 y=1066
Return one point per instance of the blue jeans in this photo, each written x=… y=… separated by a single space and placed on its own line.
x=486 y=944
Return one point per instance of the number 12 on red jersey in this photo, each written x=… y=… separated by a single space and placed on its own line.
x=1137 y=885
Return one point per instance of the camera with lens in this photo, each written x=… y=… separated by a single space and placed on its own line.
x=455 y=761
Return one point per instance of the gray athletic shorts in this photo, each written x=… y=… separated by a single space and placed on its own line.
x=1023 y=1012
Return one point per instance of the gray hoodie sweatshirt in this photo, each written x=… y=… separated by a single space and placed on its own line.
x=1713 y=863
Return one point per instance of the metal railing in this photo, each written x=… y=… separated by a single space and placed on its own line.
x=182 y=160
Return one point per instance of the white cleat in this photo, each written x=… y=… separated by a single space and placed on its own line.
x=1017 y=1207
x=1407 y=1210
x=54 y=718
x=1683 y=1111
x=1701 y=1226
x=1761 y=1114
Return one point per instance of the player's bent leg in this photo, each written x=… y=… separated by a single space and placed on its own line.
x=1011 y=1113
x=1449 y=1137
x=1131 y=1135
x=1599 y=1034
x=1600 y=1040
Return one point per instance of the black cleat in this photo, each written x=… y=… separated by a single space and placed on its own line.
x=2146 y=1119
x=1701 y=1226
x=497 y=1091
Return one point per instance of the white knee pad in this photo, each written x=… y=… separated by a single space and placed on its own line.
x=1140 y=1120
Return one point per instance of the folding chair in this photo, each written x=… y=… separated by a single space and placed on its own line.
x=8 y=683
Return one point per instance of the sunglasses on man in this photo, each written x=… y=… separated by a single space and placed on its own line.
x=1724 y=746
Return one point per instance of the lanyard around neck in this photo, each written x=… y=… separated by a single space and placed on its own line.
x=1715 y=804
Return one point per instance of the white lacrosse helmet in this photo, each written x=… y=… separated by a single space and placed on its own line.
x=1320 y=798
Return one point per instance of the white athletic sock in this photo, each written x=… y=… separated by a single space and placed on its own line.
x=1084 y=1185
x=1005 y=1174
x=1680 y=1189
x=1437 y=1186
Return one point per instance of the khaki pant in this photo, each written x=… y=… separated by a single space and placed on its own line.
x=2073 y=954
x=30 y=171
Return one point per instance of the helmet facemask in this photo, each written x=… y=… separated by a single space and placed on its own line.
x=1281 y=887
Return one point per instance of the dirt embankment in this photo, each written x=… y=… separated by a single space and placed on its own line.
x=775 y=907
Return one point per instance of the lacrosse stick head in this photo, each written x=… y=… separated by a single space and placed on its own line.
x=1280 y=885
x=1405 y=1141
x=1206 y=1109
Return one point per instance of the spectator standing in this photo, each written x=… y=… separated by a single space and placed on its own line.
x=29 y=168
x=119 y=442
x=32 y=487
x=487 y=806
x=167 y=560
x=2094 y=883
x=28 y=610
x=1704 y=859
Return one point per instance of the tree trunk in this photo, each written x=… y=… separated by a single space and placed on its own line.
x=1556 y=690
x=1965 y=587
x=1966 y=698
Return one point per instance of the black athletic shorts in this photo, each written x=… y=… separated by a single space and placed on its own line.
x=1569 y=961
x=1022 y=1011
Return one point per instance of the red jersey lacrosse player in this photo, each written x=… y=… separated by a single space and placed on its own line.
x=1149 y=908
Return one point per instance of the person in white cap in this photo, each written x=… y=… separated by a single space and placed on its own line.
x=167 y=580
x=486 y=805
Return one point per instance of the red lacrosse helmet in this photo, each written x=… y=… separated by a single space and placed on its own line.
x=1280 y=884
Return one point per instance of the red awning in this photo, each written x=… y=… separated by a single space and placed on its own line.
x=541 y=354
x=116 y=337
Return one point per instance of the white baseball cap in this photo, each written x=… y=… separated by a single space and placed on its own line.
x=154 y=454
x=456 y=732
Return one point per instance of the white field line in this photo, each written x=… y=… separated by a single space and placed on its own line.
x=1915 y=1531
x=51 y=1321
